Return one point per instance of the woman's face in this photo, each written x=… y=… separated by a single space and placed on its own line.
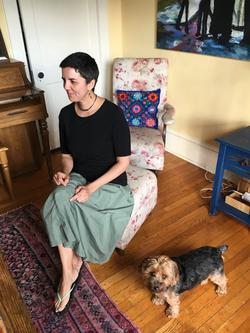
x=75 y=85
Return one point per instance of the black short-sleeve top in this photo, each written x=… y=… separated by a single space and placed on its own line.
x=94 y=142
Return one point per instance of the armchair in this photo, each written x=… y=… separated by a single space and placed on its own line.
x=144 y=75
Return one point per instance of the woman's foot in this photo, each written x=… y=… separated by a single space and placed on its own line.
x=65 y=289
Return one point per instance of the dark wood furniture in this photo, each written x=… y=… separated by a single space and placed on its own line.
x=22 y=112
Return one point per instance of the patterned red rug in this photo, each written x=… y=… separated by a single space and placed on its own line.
x=35 y=267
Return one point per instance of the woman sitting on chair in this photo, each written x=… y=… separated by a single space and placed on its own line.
x=89 y=209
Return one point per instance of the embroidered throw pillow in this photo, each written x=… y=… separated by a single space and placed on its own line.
x=140 y=107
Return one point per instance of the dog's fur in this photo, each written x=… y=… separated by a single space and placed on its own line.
x=168 y=277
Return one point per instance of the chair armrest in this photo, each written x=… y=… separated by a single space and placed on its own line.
x=168 y=114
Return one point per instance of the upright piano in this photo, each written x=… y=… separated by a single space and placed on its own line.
x=22 y=115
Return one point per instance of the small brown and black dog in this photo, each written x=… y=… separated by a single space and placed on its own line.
x=168 y=277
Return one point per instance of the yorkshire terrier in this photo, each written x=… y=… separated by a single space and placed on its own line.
x=168 y=277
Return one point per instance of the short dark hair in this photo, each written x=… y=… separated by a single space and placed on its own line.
x=82 y=63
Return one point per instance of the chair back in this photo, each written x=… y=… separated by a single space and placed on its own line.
x=141 y=74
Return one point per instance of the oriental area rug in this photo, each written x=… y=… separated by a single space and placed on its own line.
x=34 y=266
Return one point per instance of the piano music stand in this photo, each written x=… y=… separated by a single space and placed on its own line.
x=5 y=170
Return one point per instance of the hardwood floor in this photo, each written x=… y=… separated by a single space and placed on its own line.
x=180 y=222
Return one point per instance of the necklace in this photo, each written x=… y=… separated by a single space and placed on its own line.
x=78 y=104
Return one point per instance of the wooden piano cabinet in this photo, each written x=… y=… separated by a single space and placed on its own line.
x=22 y=113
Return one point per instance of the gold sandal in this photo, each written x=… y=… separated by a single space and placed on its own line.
x=60 y=298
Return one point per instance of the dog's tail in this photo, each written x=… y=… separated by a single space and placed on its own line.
x=222 y=248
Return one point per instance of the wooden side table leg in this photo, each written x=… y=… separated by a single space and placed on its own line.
x=218 y=180
x=45 y=139
x=6 y=173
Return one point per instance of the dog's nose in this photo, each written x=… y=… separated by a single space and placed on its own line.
x=155 y=287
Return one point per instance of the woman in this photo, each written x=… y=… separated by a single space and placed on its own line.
x=89 y=210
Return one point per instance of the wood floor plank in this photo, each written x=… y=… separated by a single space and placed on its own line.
x=229 y=309
x=118 y=277
x=235 y=320
x=244 y=327
x=167 y=326
x=139 y=309
x=12 y=310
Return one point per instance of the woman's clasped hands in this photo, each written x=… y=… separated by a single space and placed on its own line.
x=82 y=193
x=61 y=178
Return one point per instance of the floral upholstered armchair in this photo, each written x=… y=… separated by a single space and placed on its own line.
x=140 y=89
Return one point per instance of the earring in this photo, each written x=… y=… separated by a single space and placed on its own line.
x=90 y=95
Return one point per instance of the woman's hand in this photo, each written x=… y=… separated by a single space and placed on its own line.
x=61 y=178
x=82 y=194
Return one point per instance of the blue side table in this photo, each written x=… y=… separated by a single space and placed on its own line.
x=234 y=155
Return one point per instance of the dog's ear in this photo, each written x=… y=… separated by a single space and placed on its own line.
x=175 y=274
x=147 y=262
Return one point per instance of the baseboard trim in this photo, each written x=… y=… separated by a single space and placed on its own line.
x=193 y=151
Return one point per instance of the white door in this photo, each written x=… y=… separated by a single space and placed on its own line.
x=53 y=29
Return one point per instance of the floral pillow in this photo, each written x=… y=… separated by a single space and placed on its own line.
x=140 y=107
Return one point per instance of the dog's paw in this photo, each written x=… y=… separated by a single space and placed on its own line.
x=221 y=291
x=170 y=313
x=157 y=300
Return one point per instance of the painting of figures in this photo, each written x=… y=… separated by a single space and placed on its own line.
x=213 y=27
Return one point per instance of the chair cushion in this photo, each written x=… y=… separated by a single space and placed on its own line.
x=147 y=148
x=143 y=184
x=140 y=107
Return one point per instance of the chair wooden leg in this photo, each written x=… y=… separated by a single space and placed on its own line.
x=6 y=171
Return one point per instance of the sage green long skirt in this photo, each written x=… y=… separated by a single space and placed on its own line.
x=91 y=228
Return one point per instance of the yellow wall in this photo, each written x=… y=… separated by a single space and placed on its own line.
x=115 y=28
x=4 y=29
x=211 y=94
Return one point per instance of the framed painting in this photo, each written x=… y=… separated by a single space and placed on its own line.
x=214 y=27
